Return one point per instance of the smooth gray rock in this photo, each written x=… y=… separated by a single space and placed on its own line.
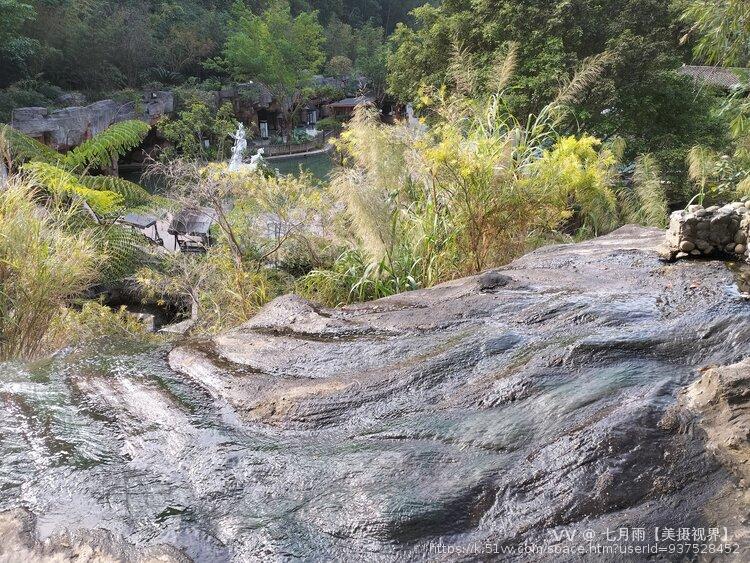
x=546 y=403
x=69 y=127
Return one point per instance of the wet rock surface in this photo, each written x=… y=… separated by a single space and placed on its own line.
x=18 y=543
x=544 y=398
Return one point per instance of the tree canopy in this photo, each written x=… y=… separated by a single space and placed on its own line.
x=640 y=97
x=274 y=47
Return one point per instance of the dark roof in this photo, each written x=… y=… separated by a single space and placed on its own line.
x=353 y=102
x=193 y=222
x=721 y=77
x=138 y=221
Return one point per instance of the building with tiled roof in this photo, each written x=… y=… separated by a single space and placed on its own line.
x=720 y=77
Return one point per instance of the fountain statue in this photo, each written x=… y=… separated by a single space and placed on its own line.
x=256 y=160
x=238 y=150
x=236 y=163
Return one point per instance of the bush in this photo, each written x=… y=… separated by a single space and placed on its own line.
x=27 y=93
x=42 y=267
x=200 y=125
x=93 y=321
x=475 y=190
x=333 y=124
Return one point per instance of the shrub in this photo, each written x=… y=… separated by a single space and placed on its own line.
x=473 y=190
x=42 y=267
x=334 y=124
x=27 y=93
x=200 y=133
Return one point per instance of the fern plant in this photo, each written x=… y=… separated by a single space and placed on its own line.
x=66 y=176
x=23 y=148
x=125 y=252
x=61 y=184
x=132 y=194
x=107 y=146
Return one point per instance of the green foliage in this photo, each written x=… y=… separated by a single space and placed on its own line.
x=241 y=271
x=353 y=278
x=650 y=200
x=42 y=267
x=16 y=48
x=371 y=58
x=27 y=93
x=578 y=170
x=132 y=194
x=126 y=252
x=639 y=97
x=95 y=321
x=722 y=28
x=65 y=186
x=274 y=47
x=197 y=126
x=330 y=124
x=100 y=151
x=23 y=148
x=340 y=66
x=65 y=177
x=718 y=178
x=163 y=41
x=474 y=190
x=105 y=148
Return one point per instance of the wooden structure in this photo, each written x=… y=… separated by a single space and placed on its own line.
x=143 y=223
x=191 y=229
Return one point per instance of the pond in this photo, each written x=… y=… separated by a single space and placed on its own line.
x=153 y=183
x=319 y=165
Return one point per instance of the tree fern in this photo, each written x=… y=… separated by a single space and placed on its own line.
x=23 y=148
x=125 y=251
x=62 y=184
x=132 y=194
x=108 y=145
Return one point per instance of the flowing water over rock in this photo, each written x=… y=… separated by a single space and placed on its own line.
x=542 y=398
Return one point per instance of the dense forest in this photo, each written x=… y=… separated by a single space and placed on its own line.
x=100 y=45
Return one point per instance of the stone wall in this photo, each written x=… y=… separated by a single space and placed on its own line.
x=711 y=232
x=67 y=128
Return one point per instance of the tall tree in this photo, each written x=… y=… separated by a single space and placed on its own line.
x=15 y=47
x=277 y=49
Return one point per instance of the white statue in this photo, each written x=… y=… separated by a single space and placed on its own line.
x=256 y=160
x=238 y=150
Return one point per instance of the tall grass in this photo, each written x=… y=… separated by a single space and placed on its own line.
x=473 y=190
x=42 y=267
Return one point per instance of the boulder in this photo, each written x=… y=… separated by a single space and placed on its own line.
x=67 y=128
x=541 y=396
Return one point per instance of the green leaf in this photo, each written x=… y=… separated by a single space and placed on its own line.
x=60 y=183
x=23 y=148
x=108 y=145
x=133 y=194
